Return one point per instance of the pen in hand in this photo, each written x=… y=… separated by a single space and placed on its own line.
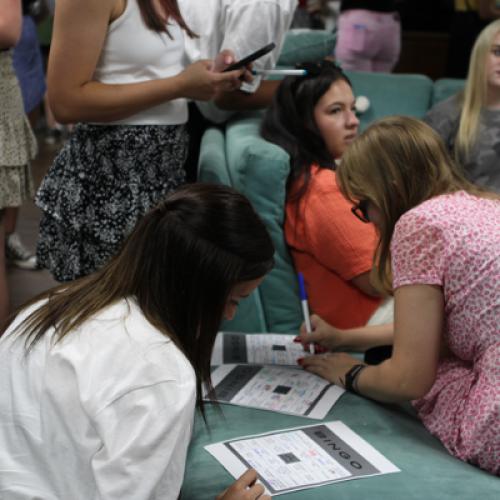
x=305 y=306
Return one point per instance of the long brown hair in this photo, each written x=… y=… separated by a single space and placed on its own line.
x=155 y=22
x=396 y=164
x=180 y=264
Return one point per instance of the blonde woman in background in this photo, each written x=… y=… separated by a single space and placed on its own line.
x=439 y=255
x=469 y=122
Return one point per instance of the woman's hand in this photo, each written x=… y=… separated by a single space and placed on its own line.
x=331 y=366
x=200 y=82
x=322 y=334
x=225 y=58
x=245 y=488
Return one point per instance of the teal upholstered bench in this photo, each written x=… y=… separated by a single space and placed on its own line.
x=301 y=45
x=393 y=94
x=428 y=471
x=446 y=87
x=259 y=170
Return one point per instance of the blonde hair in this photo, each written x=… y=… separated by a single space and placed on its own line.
x=396 y=164
x=475 y=93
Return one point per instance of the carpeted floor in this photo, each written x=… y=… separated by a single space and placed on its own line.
x=26 y=284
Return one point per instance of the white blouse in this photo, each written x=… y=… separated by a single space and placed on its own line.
x=106 y=413
x=133 y=53
x=242 y=26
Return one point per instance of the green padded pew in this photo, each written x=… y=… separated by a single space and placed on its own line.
x=259 y=170
x=428 y=471
x=446 y=87
x=392 y=94
x=250 y=317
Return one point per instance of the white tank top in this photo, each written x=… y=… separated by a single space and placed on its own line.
x=133 y=53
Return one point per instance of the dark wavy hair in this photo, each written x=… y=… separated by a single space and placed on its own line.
x=156 y=23
x=180 y=264
x=289 y=120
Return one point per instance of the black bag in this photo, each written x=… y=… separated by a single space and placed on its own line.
x=35 y=8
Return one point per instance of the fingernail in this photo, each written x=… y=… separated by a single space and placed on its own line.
x=318 y=349
x=297 y=339
x=300 y=361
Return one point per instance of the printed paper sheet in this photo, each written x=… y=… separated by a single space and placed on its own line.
x=275 y=388
x=256 y=348
x=303 y=457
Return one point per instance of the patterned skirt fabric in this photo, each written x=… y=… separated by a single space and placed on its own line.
x=17 y=142
x=16 y=186
x=102 y=182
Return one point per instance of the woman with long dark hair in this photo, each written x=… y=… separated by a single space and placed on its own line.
x=116 y=68
x=313 y=119
x=439 y=255
x=99 y=377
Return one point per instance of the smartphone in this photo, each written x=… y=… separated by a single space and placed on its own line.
x=248 y=59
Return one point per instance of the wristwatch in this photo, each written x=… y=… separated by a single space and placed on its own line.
x=350 y=377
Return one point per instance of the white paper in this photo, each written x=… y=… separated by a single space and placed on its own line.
x=302 y=457
x=280 y=389
x=256 y=348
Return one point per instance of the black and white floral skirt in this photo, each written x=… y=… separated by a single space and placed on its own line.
x=102 y=182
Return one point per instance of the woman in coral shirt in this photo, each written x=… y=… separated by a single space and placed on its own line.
x=313 y=118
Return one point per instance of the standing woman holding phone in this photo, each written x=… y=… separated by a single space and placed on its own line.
x=115 y=68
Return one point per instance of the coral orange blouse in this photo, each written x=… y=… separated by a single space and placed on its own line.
x=330 y=246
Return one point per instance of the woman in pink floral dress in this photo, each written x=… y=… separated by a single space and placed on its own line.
x=439 y=254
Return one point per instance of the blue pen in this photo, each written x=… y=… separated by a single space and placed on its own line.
x=305 y=305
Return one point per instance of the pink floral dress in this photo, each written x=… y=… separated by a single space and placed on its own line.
x=454 y=241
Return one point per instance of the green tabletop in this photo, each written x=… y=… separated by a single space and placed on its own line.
x=428 y=471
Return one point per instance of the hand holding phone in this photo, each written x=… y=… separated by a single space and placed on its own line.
x=250 y=58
